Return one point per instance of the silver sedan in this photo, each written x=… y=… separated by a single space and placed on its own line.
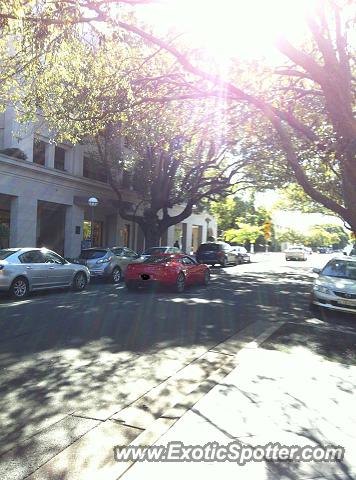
x=23 y=270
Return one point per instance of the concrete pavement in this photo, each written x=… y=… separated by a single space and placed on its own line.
x=84 y=372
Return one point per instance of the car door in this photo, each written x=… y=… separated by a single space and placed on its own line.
x=191 y=270
x=59 y=272
x=35 y=268
x=124 y=258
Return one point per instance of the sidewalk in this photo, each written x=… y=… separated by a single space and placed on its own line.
x=295 y=398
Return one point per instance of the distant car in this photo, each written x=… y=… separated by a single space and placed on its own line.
x=242 y=254
x=23 y=270
x=109 y=263
x=335 y=287
x=161 y=250
x=296 y=253
x=212 y=253
x=177 y=271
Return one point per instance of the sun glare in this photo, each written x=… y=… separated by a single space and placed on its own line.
x=238 y=28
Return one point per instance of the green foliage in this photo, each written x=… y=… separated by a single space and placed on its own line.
x=291 y=236
x=328 y=235
x=293 y=198
x=245 y=233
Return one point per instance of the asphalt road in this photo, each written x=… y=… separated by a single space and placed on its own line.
x=71 y=360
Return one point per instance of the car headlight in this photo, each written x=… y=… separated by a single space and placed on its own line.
x=322 y=289
x=104 y=260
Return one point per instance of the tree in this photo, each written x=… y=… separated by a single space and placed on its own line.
x=327 y=236
x=290 y=235
x=312 y=115
x=245 y=233
x=174 y=160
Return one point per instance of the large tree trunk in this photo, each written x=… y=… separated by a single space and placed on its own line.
x=152 y=235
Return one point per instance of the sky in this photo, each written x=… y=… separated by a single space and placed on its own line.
x=229 y=28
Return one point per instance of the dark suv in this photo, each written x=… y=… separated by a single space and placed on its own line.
x=212 y=253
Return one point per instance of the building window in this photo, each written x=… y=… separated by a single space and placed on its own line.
x=126 y=235
x=59 y=158
x=97 y=234
x=39 y=151
x=4 y=228
x=94 y=169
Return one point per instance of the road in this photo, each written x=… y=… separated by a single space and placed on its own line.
x=71 y=361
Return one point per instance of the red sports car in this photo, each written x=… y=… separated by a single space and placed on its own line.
x=176 y=271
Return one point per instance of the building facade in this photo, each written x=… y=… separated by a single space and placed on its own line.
x=44 y=198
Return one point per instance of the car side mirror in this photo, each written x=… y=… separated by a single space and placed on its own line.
x=316 y=270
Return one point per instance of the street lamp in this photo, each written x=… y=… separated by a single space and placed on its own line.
x=92 y=202
x=208 y=220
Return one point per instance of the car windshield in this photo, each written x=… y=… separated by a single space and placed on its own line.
x=209 y=247
x=92 y=254
x=340 y=269
x=156 y=259
x=6 y=253
x=154 y=250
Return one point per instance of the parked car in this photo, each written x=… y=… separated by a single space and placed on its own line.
x=23 y=270
x=296 y=253
x=177 y=271
x=335 y=287
x=109 y=263
x=242 y=254
x=161 y=250
x=212 y=253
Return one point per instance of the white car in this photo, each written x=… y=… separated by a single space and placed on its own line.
x=296 y=253
x=23 y=270
x=242 y=254
x=335 y=288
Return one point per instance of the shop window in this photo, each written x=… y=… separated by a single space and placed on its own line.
x=39 y=151
x=97 y=237
x=4 y=228
x=126 y=235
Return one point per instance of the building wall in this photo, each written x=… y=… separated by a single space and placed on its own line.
x=25 y=185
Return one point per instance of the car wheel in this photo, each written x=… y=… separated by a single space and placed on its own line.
x=180 y=283
x=80 y=281
x=19 y=288
x=223 y=263
x=116 y=275
x=206 y=278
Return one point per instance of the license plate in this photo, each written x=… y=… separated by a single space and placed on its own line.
x=347 y=302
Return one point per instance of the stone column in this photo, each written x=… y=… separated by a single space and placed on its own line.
x=23 y=222
x=73 y=231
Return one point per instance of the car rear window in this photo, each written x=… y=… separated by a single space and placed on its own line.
x=154 y=250
x=209 y=247
x=91 y=254
x=6 y=253
x=158 y=259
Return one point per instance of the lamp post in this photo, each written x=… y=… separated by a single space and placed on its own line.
x=207 y=228
x=92 y=202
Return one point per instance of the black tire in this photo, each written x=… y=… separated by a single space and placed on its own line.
x=223 y=263
x=80 y=281
x=19 y=288
x=116 y=275
x=180 y=283
x=206 y=280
